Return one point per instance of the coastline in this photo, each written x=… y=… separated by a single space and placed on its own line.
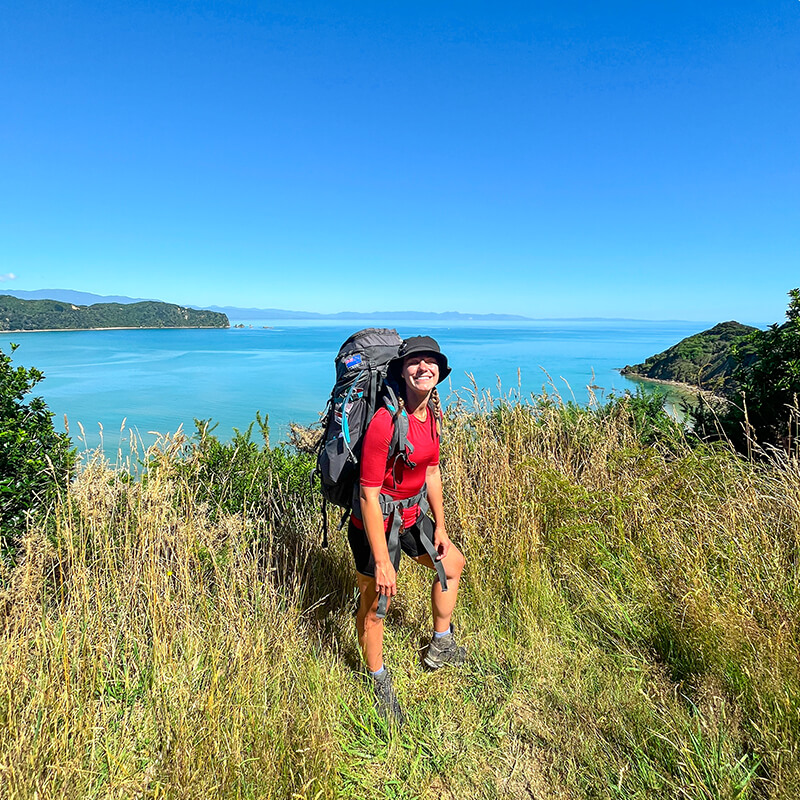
x=680 y=388
x=121 y=328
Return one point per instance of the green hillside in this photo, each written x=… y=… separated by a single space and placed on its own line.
x=27 y=315
x=704 y=360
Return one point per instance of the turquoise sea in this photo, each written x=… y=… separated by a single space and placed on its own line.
x=158 y=380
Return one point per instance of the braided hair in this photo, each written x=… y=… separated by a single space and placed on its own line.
x=437 y=410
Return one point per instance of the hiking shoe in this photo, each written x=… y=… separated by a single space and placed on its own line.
x=444 y=650
x=386 y=702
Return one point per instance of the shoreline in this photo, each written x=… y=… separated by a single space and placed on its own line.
x=122 y=328
x=684 y=388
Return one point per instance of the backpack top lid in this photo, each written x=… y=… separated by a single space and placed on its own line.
x=369 y=348
x=370 y=336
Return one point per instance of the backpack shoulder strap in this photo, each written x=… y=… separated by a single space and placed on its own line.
x=399 y=444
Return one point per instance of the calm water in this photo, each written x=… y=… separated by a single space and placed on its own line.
x=157 y=380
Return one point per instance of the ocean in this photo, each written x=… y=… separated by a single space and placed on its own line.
x=117 y=382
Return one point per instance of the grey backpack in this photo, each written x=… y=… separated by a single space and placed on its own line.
x=362 y=387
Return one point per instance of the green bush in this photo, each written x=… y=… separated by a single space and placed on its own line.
x=35 y=460
x=648 y=417
x=243 y=475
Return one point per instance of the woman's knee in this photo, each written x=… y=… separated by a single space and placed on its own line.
x=368 y=607
x=454 y=563
x=370 y=617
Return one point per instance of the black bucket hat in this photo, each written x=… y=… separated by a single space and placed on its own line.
x=421 y=344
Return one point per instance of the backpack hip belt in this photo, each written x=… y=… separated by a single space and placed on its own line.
x=395 y=508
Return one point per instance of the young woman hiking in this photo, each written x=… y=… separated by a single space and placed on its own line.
x=392 y=506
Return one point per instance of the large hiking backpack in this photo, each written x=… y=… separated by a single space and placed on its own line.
x=361 y=388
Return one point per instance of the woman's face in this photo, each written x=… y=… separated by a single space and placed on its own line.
x=421 y=372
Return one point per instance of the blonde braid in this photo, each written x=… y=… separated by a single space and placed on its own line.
x=401 y=404
x=437 y=410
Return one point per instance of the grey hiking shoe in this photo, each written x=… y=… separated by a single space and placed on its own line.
x=444 y=650
x=386 y=702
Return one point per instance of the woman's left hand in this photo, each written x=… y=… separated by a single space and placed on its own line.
x=441 y=541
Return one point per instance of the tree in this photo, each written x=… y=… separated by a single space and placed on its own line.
x=765 y=408
x=35 y=460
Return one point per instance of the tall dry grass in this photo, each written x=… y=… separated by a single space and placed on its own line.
x=630 y=608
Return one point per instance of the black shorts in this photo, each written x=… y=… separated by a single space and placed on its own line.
x=410 y=544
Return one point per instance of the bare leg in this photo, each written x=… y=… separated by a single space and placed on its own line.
x=369 y=627
x=443 y=603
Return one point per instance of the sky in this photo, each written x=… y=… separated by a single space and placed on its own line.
x=549 y=159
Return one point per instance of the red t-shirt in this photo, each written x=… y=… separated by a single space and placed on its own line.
x=393 y=476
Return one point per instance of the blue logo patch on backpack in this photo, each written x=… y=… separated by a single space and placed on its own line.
x=353 y=361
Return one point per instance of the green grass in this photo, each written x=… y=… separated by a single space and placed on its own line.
x=630 y=606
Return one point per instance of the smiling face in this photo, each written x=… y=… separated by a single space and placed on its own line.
x=421 y=373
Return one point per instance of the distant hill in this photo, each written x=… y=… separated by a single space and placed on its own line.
x=704 y=360
x=72 y=296
x=26 y=315
x=87 y=298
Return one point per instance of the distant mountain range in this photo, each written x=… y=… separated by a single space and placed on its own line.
x=87 y=298
x=388 y=316
x=236 y=313
x=71 y=296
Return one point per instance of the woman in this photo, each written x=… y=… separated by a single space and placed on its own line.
x=392 y=500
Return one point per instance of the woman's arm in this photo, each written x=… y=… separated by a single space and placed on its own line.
x=372 y=517
x=433 y=480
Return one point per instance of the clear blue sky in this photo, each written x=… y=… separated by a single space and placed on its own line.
x=547 y=159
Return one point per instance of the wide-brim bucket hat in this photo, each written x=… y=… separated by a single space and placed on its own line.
x=415 y=345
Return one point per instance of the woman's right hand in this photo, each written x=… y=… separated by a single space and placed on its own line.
x=385 y=573
x=385 y=578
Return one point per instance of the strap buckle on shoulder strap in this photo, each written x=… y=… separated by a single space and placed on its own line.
x=399 y=445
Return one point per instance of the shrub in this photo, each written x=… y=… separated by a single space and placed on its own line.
x=243 y=475
x=647 y=414
x=35 y=460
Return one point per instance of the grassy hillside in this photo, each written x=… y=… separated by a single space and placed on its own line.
x=704 y=360
x=630 y=607
x=23 y=315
